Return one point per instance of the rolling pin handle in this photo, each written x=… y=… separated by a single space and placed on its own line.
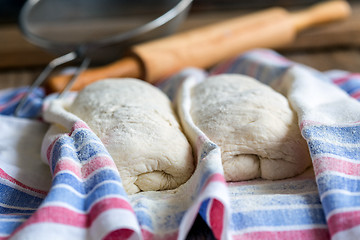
x=320 y=13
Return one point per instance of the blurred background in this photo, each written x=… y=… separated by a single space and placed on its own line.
x=341 y=40
x=9 y=9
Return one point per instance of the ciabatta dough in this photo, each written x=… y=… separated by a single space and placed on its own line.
x=137 y=125
x=254 y=126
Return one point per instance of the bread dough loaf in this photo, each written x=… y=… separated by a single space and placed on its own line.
x=254 y=126
x=137 y=125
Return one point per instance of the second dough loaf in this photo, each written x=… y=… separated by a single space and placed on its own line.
x=254 y=126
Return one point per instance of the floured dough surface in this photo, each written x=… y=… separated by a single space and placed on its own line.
x=254 y=126
x=137 y=125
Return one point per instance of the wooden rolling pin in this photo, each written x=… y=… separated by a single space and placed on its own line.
x=206 y=46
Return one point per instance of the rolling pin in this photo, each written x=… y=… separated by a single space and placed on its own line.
x=206 y=46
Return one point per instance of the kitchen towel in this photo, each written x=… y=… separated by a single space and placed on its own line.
x=329 y=117
x=84 y=199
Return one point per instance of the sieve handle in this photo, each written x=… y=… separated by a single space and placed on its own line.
x=206 y=46
x=126 y=67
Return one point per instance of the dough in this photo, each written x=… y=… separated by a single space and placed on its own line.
x=137 y=125
x=253 y=125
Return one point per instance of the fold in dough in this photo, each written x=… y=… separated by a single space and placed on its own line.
x=254 y=126
x=137 y=125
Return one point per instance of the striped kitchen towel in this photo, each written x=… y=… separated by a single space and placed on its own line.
x=9 y=100
x=329 y=118
x=81 y=195
x=24 y=180
x=87 y=191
